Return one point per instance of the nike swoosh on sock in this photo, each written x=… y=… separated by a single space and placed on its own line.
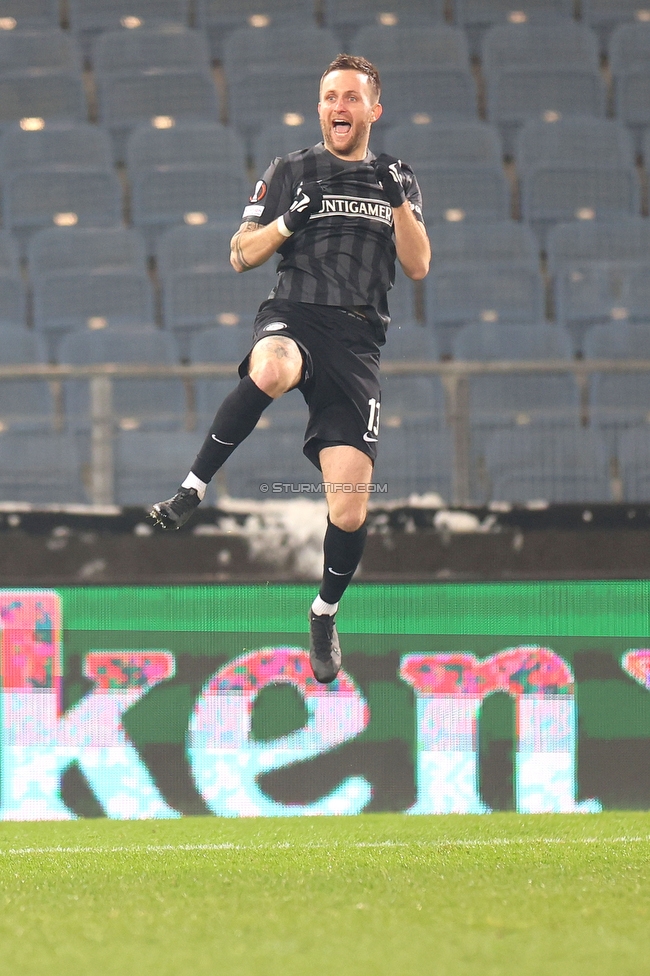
x=227 y=443
x=330 y=570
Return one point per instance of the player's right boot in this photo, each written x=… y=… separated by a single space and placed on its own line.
x=324 y=647
x=175 y=512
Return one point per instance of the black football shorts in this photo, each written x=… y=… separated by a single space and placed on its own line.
x=340 y=379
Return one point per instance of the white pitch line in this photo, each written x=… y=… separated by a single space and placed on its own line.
x=167 y=848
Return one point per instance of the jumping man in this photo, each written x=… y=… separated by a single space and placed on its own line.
x=338 y=217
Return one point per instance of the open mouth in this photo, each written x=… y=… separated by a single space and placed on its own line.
x=341 y=127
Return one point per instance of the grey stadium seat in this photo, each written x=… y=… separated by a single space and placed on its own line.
x=455 y=193
x=630 y=67
x=477 y=16
x=9 y=254
x=39 y=14
x=413 y=459
x=41 y=468
x=605 y=15
x=186 y=142
x=454 y=143
x=409 y=340
x=598 y=292
x=267 y=94
x=504 y=240
x=294 y=132
x=184 y=247
x=220 y=17
x=88 y=18
x=127 y=100
x=419 y=93
x=618 y=402
x=579 y=141
x=422 y=46
x=401 y=298
x=593 y=240
x=271 y=454
x=169 y=46
x=147 y=463
x=220 y=344
x=556 y=464
x=25 y=404
x=52 y=50
x=37 y=95
x=13 y=299
x=62 y=196
x=345 y=16
x=306 y=46
x=56 y=144
x=74 y=248
x=634 y=460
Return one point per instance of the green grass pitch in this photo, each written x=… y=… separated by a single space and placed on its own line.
x=375 y=895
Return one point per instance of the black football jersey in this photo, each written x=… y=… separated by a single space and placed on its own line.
x=346 y=253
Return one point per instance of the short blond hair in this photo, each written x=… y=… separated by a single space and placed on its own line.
x=350 y=62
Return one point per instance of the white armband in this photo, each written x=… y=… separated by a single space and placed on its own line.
x=282 y=227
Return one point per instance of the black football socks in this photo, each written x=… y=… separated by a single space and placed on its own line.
x=342 y=554
x=235 y=419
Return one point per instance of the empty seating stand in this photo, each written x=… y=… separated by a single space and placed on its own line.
x=42 y=468
x=89 y=18
x=30 y=13
x=630 y=66
x=218 y=18
x=147 y=463
x=600 y=292
x=54 y=144
x=477 y=16
x=605 y=15
x=294 y=132
x=346 y=16
x=634 y=464
x=25 y=404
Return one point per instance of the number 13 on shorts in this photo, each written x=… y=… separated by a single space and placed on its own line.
x=373 y=418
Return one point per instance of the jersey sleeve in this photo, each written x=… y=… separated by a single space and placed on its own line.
x=271 y=196
x=414 y=194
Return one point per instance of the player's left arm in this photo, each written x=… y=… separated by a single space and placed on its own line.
x=403 y=193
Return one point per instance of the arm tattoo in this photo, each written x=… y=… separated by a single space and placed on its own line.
x=235 y=244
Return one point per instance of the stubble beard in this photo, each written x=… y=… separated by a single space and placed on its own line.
x=362 y=139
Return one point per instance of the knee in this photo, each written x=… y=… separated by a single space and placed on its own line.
x=348 y=518
x=276 y=368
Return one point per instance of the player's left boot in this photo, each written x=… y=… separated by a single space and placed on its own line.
x=174 y=512
x=324 y=647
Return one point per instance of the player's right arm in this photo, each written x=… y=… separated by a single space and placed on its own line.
x=275 y=211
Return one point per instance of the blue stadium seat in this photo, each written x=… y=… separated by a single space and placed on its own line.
x=462 y=292
x=408 y=340
x=345 y=16
x=39 y=14
x=88 y=18
x=306 y=46
x=93 y=299
x=165 y=47
x=34 y=94
x=210 y=393
x=454 y=193
x=630 y=67
x=25 y=404
x=138 y=403
x=76 y=248
x=55 y=144
x=413 y=459
x=401 y=298
x=417 y=398
x=504 y=240
x=220 y=344
x=421 y=94
x=186 y=142
x=267 y=94
x=634 y=463
x=220 y=17
x=42 y=468
x=541 y=72
x=477 y=16
x=271 y=454
x=53 y=50
x=162 y=196
x=68 y=196
x=452 y=143
x=185 y=247
x=485 y=341
x=578 y=141
x=9 y=254
x=618 y=402
x=213 y=295
x=556 y=464
x=150 y=464
x=605 y=15
x=600 y=292
x=127 y=100
x=293 y=133
x=13 y=299
x=627 y=238
x=421 y=46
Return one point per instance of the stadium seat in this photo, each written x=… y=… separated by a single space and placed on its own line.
x=187 y=142
x=63 y=196
x=627 y=238
x=213 y=295
x=34 y=95
x=455 y=193
x=25 y=404
x=162 y=196
x=39 y=14
x=138 y=403
x=88 y=18
x=408 y=340
x=127 y=100
x=186 y=246
x=306 y=46
x=166 y=47
x=578 y=141
x=420 y=94
x=9 y=254
x=272 y=454
x=55 y=144
x=47 y=50
x=554 y=464
x=345 y=16
x=600 y=292
x=293 y=133
x=605 y=15
x=220 y=344
x=504 y=240
x=541 y=72
x=150 y=463
x=463 y=292
x=76 y=248
x=422 y=46
x=91 y=299
x=618 y=402
x=269 y=94
x=634 y=462
x=220 y=17
x=452 y=143
x=417 y=398
x=42 y=468
x=401 y=298
x=630 y=67
x=477 y=16
x=13 y=299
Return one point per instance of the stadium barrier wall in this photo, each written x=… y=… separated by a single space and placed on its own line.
x=150 y=702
